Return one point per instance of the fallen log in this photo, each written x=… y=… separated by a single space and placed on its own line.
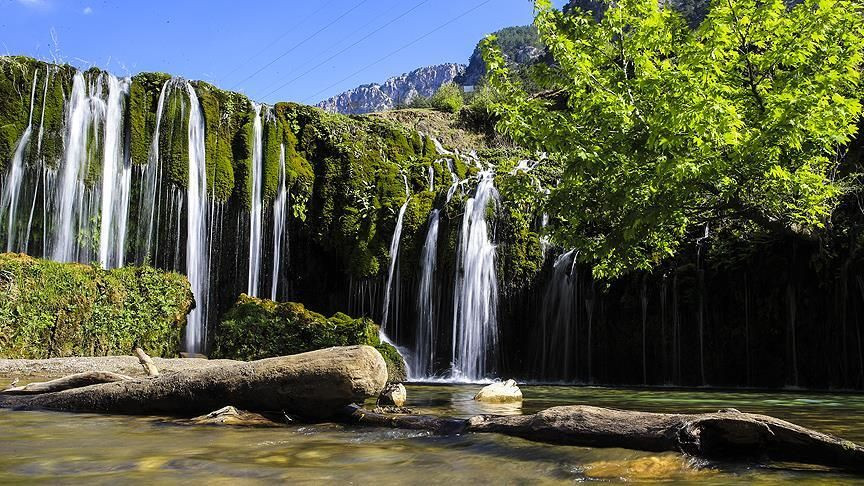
x=312 y=385
x=77 y=380
x=727 y=434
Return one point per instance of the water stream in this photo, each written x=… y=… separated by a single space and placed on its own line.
x=197 y=253
x=256 y=212
x=475 y=323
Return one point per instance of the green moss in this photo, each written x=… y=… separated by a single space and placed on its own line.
x=225 y=113
x=144 y=95
x=50 y=309
x=257 y=328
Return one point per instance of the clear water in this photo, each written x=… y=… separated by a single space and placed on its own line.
x=77 y=448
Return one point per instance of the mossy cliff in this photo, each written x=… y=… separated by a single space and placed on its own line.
x=50 y=309
x=257 y=329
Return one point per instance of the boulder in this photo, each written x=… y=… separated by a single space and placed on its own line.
x=500 y=392
x=393 y=395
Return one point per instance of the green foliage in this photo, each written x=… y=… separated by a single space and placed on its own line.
x=664 y=131
x=257 y=328
x=448 y=98
x=50 y=309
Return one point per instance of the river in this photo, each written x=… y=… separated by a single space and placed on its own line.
x=93 y=449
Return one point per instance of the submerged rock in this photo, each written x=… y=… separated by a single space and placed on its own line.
x=393 y=395
x=500 y=392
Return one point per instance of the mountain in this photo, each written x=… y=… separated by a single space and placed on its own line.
x=396 y=91
x=520 y=45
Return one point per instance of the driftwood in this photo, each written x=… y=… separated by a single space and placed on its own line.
x=147 y=363
x=77 y=380
x=728 y=434
x=313 y=385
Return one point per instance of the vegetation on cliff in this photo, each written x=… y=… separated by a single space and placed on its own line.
x=50 y=309
x=256 y=328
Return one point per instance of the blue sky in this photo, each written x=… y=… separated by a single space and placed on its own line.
x=272 y=51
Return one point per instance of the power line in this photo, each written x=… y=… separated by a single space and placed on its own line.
x=436 y=29
x=325 y=61
x=307 y=39
x=275 y=41
x=319 y=54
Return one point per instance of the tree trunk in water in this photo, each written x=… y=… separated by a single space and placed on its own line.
x=728 y=434
x=313 y=385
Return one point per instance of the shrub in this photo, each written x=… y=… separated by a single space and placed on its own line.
x=50 y=309
x=258 y=328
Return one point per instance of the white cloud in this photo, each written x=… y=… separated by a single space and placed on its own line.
x=33 y=3
x=87 y=11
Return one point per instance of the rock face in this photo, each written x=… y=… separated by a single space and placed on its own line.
x=398 y=90
x=312 y=385
x=500 y=392
x=520 y=46
x=394 y=395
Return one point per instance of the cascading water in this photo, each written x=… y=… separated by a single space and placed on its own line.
x=75 y=209
x=475 y=323
x=560 y=325
x=255 y=224
x=151 y=186
x=197 y=226
x=394 y=257
x=423 y=357
x=280 y=218
x=12 y=184
x=116 y=179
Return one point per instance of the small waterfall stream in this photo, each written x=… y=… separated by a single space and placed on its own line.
x=386 y=327
x=559 y=334
x=280 y=221
x=256 y=213
x=116 y=178
x=423 y=357
x=197 y=252
x=75 y=208
x=475 y=323
x=151 y=187
x=12 y=185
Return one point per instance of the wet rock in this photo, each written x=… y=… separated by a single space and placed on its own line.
x=394 y=394
x=500 y=392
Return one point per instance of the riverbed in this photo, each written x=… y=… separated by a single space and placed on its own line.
x=86 y=448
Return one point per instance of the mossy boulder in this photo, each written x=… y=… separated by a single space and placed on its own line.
x=50 y=309
x=258 y=328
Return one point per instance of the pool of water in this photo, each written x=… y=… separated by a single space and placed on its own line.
x=92 y=449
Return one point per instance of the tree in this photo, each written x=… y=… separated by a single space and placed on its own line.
x=665 y=130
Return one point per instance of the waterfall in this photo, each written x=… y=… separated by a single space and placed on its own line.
x=197 y=252
x=424 y=343
x=116 y=179
x=475 y=324
x=280 y=217
x=151 y=186
x=394 y=257
x=255 y=231
x=559 y=334
x=12 y=185
x=75 y=207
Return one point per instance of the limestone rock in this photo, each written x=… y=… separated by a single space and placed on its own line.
x=393 y=395
x=398 y=90
x=500 y=392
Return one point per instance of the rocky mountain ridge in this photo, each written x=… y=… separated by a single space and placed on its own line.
x=398 y=90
